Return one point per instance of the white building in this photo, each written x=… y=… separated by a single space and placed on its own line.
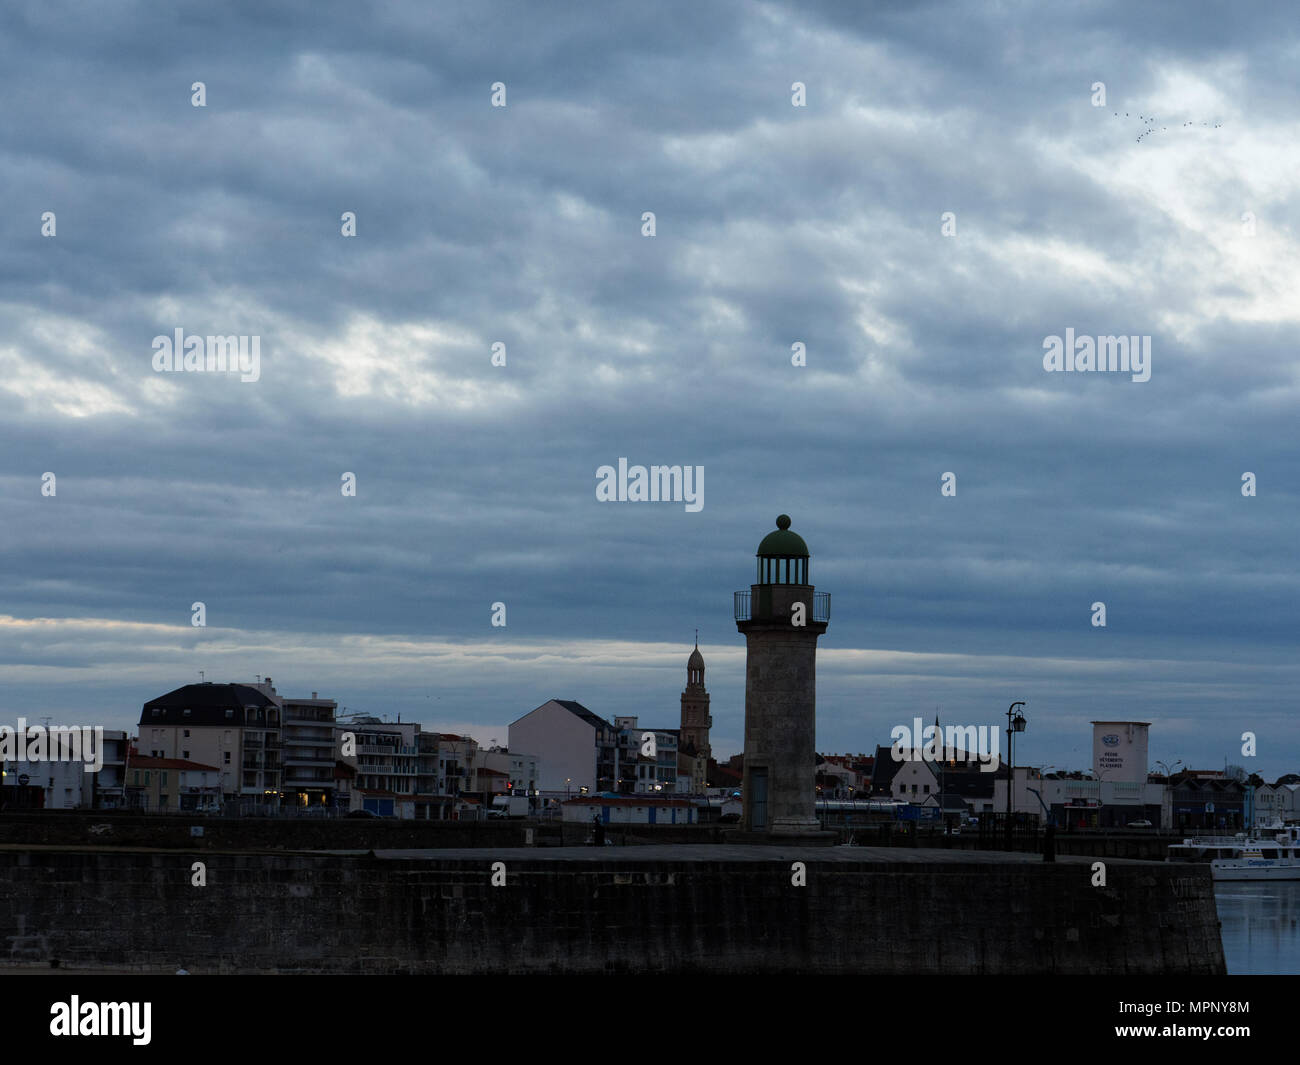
x=64 y=773
x=385 y=756
x=1103 y=802
x=629 y=810
x=574 y=748
x=1276 y=803
x=110 y=781
x=67 y=785
x=915 y=781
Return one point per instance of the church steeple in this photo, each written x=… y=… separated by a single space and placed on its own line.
x=696 y=722
x=695 y=666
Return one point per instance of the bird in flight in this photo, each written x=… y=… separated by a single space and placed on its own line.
x=1149 y=125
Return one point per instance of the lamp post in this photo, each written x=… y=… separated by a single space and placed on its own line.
x=1169 y=769
x=1015 y=724
x=1169 y=788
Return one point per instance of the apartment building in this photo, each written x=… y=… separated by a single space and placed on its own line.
x=386 y=758
x=457 y=765
x=235 y=727
x=110 y=781
x=638 y=772
x=309 y=749
x=575 y=748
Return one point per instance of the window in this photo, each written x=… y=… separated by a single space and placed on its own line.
x=187 y=734
x=927 y=789
x=185 y=754
x=913 y=789
x=163 y=782
x=137 y=777
x=146 y=778
x=155 y=712
x=230 y=713
x=227 y=754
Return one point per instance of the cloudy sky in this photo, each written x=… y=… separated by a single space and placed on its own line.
x=775 y=225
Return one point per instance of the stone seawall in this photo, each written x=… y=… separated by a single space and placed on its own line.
x=73 y=828
x=654 y=909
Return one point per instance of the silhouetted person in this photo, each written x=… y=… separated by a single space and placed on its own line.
x=598 y=830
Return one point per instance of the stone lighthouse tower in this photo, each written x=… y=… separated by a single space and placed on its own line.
x=781 y=617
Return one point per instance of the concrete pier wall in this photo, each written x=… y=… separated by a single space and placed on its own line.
x=687 y=909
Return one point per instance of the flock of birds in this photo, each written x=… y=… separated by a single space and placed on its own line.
x=1151 y=127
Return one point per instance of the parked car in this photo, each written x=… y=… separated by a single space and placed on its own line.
x=361 y=813
x=1142 y=823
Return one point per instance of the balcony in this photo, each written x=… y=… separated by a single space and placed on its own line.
x=743 y=609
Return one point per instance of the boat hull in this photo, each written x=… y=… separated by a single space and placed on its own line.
x=1254 y=869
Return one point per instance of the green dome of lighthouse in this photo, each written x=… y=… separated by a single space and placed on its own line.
x=783 y=543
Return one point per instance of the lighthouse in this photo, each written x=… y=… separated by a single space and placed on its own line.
x=781 y=617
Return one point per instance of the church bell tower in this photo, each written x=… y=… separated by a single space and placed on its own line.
x=696 y=722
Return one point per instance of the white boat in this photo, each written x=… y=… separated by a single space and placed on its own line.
x=1266 y=854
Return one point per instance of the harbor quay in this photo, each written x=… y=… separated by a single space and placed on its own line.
x=660 y=908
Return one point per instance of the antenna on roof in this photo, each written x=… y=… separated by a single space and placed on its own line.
x=200 y=674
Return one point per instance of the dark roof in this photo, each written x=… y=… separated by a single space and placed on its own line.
x=207 y=704
x=580 y=711
x=884 y=769
x=142 y=762
x=782 y=543
x=947 y=801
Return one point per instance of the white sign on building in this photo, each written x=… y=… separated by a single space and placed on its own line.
x=1119 y=750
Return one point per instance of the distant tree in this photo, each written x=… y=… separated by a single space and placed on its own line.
x=1255 y=780
x=1289 y=778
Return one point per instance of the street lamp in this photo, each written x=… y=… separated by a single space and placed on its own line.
x=1169 y=769
x=1015 y=723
